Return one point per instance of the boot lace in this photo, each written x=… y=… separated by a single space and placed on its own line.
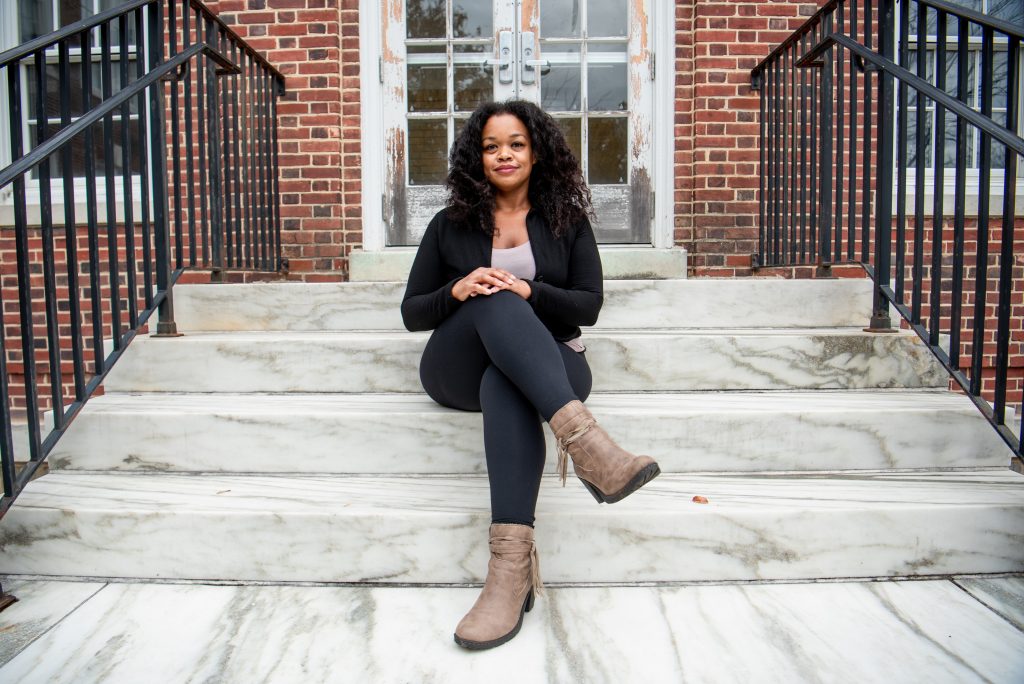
x=562 y=447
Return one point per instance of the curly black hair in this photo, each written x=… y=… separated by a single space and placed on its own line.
x=557 y=188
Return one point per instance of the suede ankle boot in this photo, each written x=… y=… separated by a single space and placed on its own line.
x=513 y=580
x=608 y=471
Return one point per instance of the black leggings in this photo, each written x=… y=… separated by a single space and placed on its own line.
x=494 y=355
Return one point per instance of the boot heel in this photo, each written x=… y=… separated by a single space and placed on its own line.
x=529 y=601
x=594 y=491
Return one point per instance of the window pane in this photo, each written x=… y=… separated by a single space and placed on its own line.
x=912 y=138
x=428 y=152
x=425 y=19
x=36 y=19
x=606 y=78
x=573 y=131
x=473 y=84
x=78 y=151
x=1007 y=10
x=606 y=149
x=606 y=18
x=560 y=18
x=427 y=79
x=472 y=18
x=560 y=88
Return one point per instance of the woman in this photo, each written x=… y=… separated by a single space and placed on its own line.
x=504 y=276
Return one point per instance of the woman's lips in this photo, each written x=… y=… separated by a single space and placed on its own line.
x=505 y=169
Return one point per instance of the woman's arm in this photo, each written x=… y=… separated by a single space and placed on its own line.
x=579 y=302
x=428 y=296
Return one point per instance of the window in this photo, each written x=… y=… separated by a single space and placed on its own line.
x=1011 y=11
x=27 y=20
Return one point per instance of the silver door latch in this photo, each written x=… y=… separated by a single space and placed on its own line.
x=530 y=65
x=504 y=60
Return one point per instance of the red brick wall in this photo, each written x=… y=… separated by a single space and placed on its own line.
x=315 y=44
x=718 y=42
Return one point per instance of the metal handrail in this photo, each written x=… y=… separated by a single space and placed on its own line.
x=817 y=172
x=235 y=111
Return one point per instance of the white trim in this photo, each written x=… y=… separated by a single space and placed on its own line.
x=663 y=124
x=33 y=206
x=371 y=117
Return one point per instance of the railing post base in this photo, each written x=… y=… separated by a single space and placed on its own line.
x=880 y=323
x=824 y=272
x=1017 y=465
x=6 y=599
x=167 y=330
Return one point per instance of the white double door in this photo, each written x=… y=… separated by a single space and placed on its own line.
x=586 y=62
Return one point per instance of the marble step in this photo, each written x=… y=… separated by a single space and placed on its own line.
x=694 y=303
x=938 y=632
x=432 y=529
x=623 y=361
x=389 y=433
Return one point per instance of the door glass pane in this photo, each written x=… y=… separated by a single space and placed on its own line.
x=606 y=18
x=425 y=18
x=606 y=77
x=472 y=19
x=428 y=151
x=473 y=84
x=560 y=87
x=573 y=132
x=427 y=78
x=606 y=147
x=561 y=18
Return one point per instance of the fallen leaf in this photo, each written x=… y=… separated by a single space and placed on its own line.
x=700 y=499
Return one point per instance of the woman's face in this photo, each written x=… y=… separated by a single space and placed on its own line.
x=507 y=153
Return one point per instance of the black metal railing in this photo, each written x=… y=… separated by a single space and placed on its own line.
x=871 y=105
x=90 y=119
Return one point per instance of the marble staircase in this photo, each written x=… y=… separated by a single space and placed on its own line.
x=285 y=439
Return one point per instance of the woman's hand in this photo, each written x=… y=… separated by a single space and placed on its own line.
x=484 y=281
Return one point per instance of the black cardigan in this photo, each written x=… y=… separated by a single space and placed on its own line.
x=566 y=292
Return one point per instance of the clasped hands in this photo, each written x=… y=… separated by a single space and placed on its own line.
x=486 y=281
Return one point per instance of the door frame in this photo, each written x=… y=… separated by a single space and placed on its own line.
x=372 y=63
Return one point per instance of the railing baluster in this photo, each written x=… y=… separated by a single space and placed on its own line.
x=92 y=220
x=49 y=265
x=166 y=325
x=1006 y=255
x=807 y=247
x=70 y=232
x=203 y=64
x=762 y=168
x=190 y=175
x=984 y=199
x=960 y=198
x=24 y=270
x=788 y=182
x=826 y=163
x=147 y=236
x=213 y=129
x=840 y=138
x=865 y=199
x=128 y=198
x=919 y=170
x=250 y=216
x=275 y=173
x=884 y=152
x=265 y=189
x=226 y=151
x=802 y=206
x=852 y=137
x=901 y=158
x=175 y=113
x=939 y=145
x=236 y=164
x=111 y=193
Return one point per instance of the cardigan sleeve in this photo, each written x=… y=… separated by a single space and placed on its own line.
x=428 y=295
x=579 y=302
